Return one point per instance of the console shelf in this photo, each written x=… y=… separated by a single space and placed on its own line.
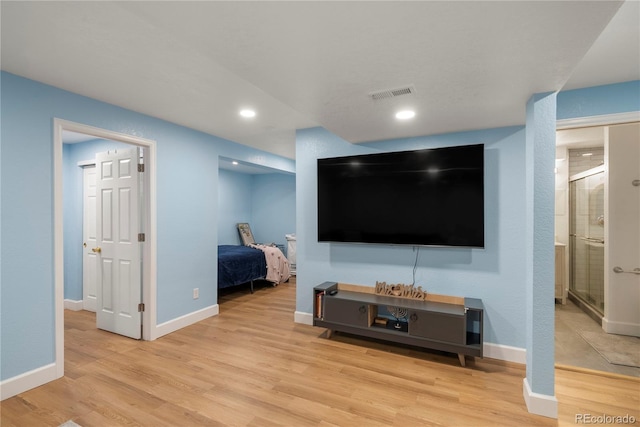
x=453 y=326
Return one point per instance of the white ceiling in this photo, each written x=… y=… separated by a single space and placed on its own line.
x=303 y=64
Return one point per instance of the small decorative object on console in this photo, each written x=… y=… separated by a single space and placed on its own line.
x=400 y=315
x=401 y=291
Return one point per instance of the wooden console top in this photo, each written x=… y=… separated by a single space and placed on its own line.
x=447 y=299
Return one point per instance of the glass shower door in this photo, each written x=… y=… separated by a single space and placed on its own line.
x=586 y=237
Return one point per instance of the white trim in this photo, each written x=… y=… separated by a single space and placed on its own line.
x=73 y=305
x=149 y=292
x=149 y=288
x=58 y=247
x=32 y=379
x=539 y=404
x=504 y=352
x=602 y=120
x=186 y=320
x=103 y=133
x=302 y=317
x=620 y=328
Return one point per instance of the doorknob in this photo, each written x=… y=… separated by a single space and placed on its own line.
x=96 y=250
x=621 y=270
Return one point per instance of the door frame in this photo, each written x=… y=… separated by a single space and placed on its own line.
x=87 y=303
x=149 y=282
x=592 y=121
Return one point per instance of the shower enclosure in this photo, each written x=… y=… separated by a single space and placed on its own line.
x=586 y=238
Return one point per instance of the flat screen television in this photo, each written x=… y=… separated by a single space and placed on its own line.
x=430 y=197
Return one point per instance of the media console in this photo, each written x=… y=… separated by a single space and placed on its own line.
x=450 y=324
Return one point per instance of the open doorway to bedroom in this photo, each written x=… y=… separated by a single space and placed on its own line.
x=264 y=199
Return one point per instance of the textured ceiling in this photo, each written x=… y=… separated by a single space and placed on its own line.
x=303 y=64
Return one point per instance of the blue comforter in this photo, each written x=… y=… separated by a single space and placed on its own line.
x=239 y=264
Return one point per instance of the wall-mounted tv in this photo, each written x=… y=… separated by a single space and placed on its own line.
x=430 y=197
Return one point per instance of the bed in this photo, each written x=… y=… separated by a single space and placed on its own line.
x=240 y=264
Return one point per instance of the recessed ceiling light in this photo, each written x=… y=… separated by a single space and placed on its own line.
x=247 y=113
x=234 y=163
x=405 y=114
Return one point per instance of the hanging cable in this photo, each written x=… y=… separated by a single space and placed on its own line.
x=416 y=249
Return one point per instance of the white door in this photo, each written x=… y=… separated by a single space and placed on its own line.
x=118 y=284
x=89 y=258
x=622 y=228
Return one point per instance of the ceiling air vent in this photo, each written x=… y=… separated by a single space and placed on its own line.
x=392 y=93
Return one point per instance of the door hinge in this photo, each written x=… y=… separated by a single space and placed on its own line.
x=140 y=237
x=140 y=307
x=140 y=167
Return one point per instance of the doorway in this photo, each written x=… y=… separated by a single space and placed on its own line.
x=585 y=214
x=149 y=254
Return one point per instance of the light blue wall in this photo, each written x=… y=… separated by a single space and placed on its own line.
x=234 y=197
x=266 y=201
x=73 y=209
x=274 y=207
x=187 y=198
x=599 y=100
x=495 y=274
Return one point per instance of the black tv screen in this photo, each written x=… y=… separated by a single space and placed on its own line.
x=431 y=197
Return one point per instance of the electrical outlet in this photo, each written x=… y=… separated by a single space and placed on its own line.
x=196 y=293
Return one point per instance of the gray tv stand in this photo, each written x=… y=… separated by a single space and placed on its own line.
x=454 y=326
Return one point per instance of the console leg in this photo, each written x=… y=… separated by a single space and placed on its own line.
x=329 y=332
x=461 y=359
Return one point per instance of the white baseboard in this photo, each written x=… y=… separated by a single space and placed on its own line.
x=302 y=317
x=504 y=352
x=186 y=320
x=74 y=305
x=23 y=382
x=539 y=404
x=620 y=328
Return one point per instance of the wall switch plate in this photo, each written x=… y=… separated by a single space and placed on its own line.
x=196 y=293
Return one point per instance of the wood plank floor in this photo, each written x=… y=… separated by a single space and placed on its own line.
x=253 y=366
